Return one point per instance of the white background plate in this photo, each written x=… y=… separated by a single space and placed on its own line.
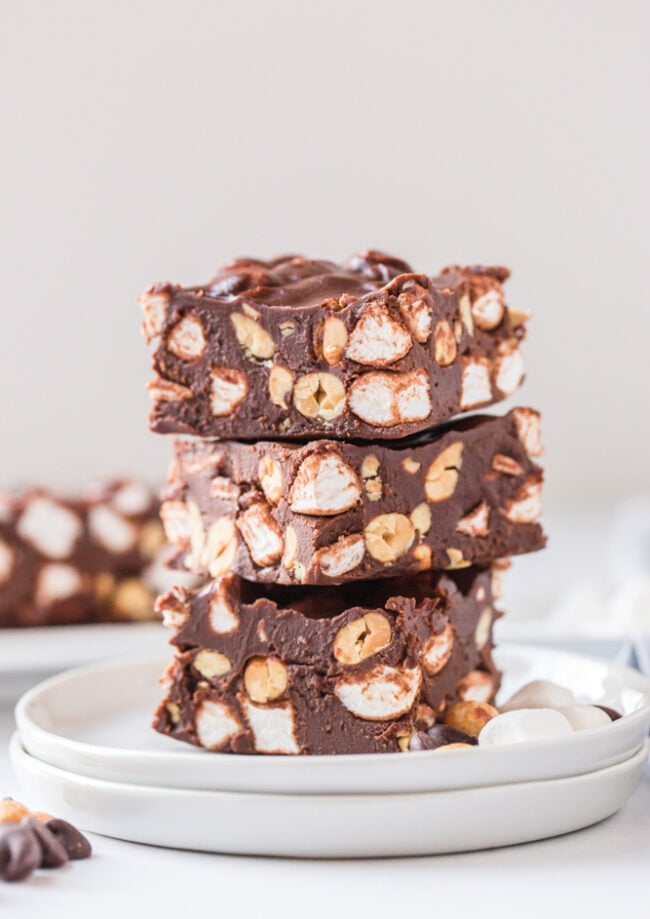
x=96 y=722
x=330 y=826
x=29 y=655
x=53 y=648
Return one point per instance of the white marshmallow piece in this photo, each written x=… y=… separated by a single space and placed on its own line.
x=273 y=727
x=50 y=528
x=583 y=717
x=131 y=499
x=110 y=529
x=216 y=723
x=223 y=618
x=539 y=694
x=57 y=582
x=523 y=726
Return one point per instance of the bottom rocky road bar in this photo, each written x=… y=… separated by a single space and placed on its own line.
x=76 y=560
x=310 y=671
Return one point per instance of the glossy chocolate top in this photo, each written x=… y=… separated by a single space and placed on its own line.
x=292 y=280
x=298 y=349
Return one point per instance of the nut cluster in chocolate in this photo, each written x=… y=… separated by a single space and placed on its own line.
x=75 y=560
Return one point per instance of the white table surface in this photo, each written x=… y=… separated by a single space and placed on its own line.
x=601 y=871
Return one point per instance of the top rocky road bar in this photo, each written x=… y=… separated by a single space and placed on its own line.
x=299 y=349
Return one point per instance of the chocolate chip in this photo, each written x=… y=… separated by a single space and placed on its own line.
x=53 y=851
x=75 y=843
x=20 y=853
x=613 y=714
x=439 y=735
x=418 y=742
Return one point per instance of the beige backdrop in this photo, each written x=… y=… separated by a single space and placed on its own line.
x=153 y=140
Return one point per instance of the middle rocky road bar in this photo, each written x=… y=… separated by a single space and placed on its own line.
x=328 y=512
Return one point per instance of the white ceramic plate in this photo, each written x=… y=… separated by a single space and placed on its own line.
x=95 y=721
x=329 y=826
x=29 y=655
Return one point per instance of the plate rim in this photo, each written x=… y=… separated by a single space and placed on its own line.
x=114 y=759
x=377 y=826
x=16 y=748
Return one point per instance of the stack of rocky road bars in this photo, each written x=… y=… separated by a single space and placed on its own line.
x=352 y=537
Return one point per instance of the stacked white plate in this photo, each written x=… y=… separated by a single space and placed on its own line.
x=84 y=750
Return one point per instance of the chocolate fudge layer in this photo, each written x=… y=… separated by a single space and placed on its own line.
x=328 y=512
x=78 y=560
x=296 y=348
x=309 y=670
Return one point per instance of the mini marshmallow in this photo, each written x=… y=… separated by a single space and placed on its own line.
x=582 y=717
x=110 y=529
x=539 y=694
x=132 y=498
x=524 y=725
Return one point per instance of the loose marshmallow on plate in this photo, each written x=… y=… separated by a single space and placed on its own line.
x=581 y=717
x=539 y=694
x=524 y=725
